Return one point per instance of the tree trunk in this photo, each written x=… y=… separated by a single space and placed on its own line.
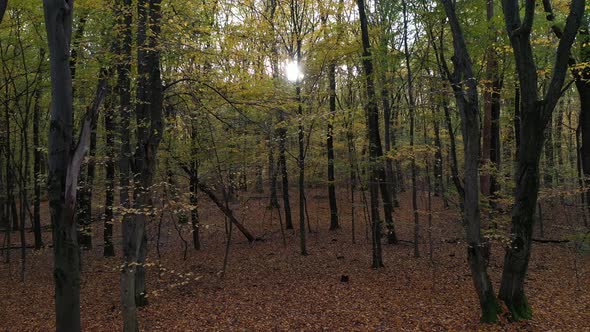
x=412 y=107
x=109 y=218
x=37 y=168
x=536 y=113
x=149 y=113
x=283 y=167
x=123 y=11
x=228 y=213
x=464 y=86
x=330 y=146
x=549 y=160
x=194 y=187
x=491 y=123
x=377 y=171
x=64 y=166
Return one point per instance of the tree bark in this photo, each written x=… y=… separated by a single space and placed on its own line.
x=330 y=147
x=37 y=167
x=64 y=166
x=108 y=218
x=84 y=197
x=149 y=116
x=464 y=86
x=491 y=123
x=412 y=107
x=58 y=22
x=377 y=171
x=535 y=115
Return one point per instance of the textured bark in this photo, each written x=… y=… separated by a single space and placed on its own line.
x=377 y=171
x=535 y=115
x=464 y=87
x=64 y=166
x=66 y=273
x=148 y=113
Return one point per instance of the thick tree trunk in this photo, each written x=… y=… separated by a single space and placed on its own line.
x=464 y=86
x=64 y=166
x=549 y=160
x=536 y=113
x=582 y=77
x=58 y=22
x=584 y=122
x=377 y=171
x=148 y=113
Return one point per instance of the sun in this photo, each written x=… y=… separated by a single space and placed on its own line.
x=293 y=71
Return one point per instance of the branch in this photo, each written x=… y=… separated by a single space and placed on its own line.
x=84 y=141
x=574 y=19
x=228 y=213
x=529 y=16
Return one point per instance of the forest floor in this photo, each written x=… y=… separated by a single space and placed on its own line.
x=271 y=287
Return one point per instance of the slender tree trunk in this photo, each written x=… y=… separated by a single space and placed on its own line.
x=37 y=168
x=84 y=204
x=491 y=123
x=109 y=218
x=412 y=106
x=194 y=187
x=439 y=185
x=123 y=11
x=330 y=146
x=272 y=174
